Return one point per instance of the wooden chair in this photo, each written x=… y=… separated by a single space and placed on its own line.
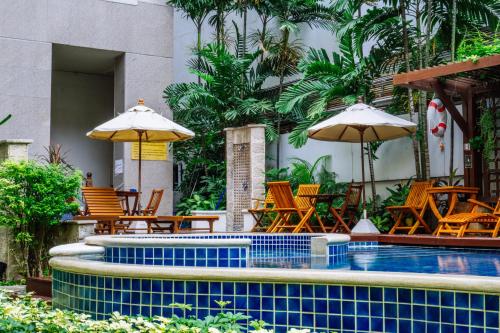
x=482 y=214
x=260 y=212
x=286 y=208
x=414 y=206
x=304 y=203
x=154 y=203
x=349 y=209
x=103 y=205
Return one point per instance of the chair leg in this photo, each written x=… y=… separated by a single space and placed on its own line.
x=320 y=222
x=258 y=221
x=419 y=222
x=339 y=222
x=397 y=218
x=496 y=229
x=274 y=224
x=304 y=222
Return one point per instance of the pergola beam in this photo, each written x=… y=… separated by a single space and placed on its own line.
x=444 y=70
x=455 y=114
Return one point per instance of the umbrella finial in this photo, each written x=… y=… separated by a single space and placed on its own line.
x=140 y=101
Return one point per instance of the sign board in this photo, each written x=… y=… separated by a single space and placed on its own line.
x=151 y=151
x=118 y=167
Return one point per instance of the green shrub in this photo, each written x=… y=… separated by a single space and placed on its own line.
x=33 y=198
x=25 y=314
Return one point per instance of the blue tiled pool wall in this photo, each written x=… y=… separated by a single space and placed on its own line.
x=234 y=256
x=262 y=244
x=337 y=253
x=323 y=308
x=362 y=245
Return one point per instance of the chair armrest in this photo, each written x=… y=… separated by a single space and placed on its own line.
x=481 y=204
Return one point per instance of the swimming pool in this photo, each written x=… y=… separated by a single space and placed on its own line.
x=322 y=282
x=393 y=258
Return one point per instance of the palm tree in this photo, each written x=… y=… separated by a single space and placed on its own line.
x=218 y=102
x=197 y=11
x=283 y=56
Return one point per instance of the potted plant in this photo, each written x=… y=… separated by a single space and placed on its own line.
x=33 y=198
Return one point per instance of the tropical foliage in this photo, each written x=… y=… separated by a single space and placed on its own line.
x=33 y=198
x=24 y=314
x=304 y=172
x=372 y=39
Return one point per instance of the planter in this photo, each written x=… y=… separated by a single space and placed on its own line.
x=40 y=286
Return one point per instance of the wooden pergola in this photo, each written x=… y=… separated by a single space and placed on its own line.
x=467 y=83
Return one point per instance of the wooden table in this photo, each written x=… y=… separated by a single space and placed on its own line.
x=453 y=192
x=315 y=199
x=175 y=223
x=126 y=196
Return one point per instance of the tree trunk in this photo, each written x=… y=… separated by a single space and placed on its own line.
x=410 y=91
x=198 y=45
x=282 y=66
x=452 y=122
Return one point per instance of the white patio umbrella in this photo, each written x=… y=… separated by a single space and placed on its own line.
x=361 y=123
x=140 y=124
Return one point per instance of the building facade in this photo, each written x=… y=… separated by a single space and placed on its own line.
x=69 y=65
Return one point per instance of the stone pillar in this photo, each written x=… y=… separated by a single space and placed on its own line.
x=245 y=156
x=15 y=150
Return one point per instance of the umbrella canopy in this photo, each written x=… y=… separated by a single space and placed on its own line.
x=376 y=124
x=140 y=123
x=361 y=123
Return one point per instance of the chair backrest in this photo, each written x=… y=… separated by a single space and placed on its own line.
x=282 y=194
x=102 y=201
x=306 y=189
x=154 y=202
x=352 y=198
x=418 y=193
x=268 y=200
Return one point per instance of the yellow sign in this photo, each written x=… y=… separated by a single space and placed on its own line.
x=151 y=151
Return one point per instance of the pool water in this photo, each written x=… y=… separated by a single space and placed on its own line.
x=391 y=258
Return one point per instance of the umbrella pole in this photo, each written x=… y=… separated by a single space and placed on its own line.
x=361 y=132
x=139 y=184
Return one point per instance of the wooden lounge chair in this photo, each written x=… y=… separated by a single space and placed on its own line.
x=103 y=205
x=260 y=212
x=286 y=207
x=414 y=206
x=481 y=214
x=349 y=209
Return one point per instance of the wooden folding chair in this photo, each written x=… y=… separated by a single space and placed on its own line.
x=485 y=218
x=414 y=206
x=260 y=212
x=286 y=207
x=103 y=205
x=304 y=203
x=349 y=209
x=153 y=203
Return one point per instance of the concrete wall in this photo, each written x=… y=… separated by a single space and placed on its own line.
x=79 y=103
x=25 y=89
x=140 y=29
x=142 y=80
